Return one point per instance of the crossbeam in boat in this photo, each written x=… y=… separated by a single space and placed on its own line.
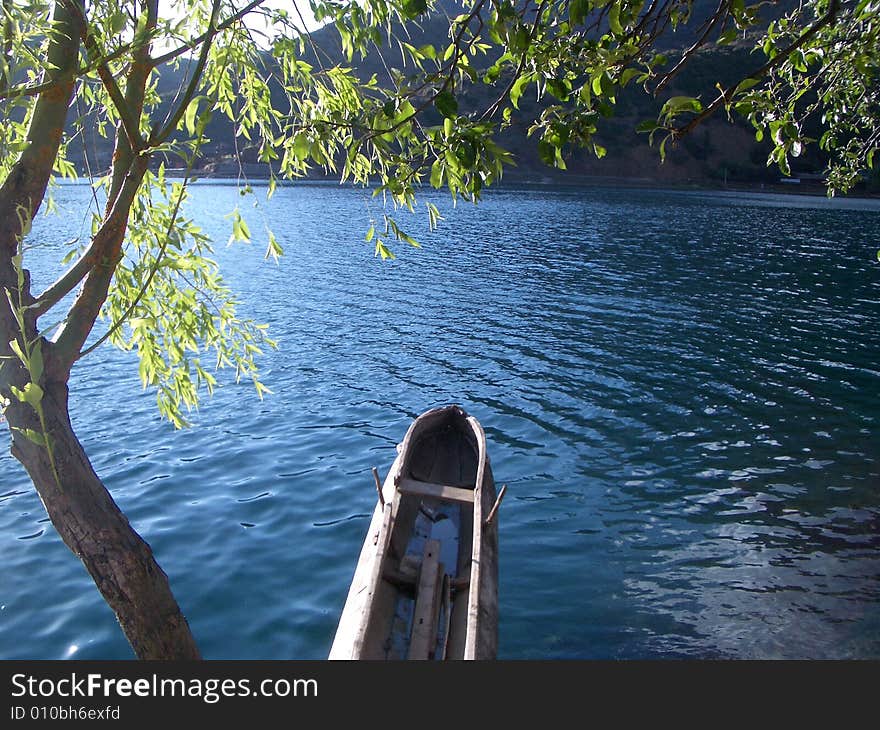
x=436 y=491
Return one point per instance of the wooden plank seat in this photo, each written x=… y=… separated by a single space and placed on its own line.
x=437 y=491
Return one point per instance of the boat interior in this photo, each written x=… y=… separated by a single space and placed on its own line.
x=421 y=605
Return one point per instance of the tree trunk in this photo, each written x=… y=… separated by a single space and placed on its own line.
x=79 y=505
x=93 y=527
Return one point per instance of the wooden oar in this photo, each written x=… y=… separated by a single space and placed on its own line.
x=495 y=506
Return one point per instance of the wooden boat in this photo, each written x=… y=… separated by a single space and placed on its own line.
x=426 y=583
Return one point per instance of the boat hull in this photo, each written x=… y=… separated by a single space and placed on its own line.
x=429 y=557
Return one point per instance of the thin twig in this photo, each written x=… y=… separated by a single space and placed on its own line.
x=720 y=15
x=195 y=80
x=234 y=18
x=129 y=123
x=155 y=267
x=725 y=96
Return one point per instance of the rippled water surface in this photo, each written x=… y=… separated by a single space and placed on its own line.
x=680 y=390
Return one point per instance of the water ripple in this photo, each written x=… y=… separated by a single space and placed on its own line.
x=680 y=390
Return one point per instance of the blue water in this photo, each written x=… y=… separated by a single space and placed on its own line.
x=680 y=390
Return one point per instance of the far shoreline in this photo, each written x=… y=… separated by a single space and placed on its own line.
x=791 y=187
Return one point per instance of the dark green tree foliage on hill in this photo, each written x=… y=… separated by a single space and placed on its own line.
x=145 y=273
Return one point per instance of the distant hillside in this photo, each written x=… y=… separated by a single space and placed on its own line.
x=717 y=153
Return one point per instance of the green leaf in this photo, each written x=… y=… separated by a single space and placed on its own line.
x=745 y=85
x=628 y=75
x=33 y=395
x=117 y=22
x=69 y=256
x=240 y=230
x=798 y=60
x=436 y=174
x=517 y=89
x=466 y=153
x=446 y=104
x=560 y=88
x=520 y=40
x=659 y=59
x=274 y=249
x=19 y=267
x=413 y=8
x=677 y=104
x=433 y=216
x=33 y=436
x=35 y=362
x=189 y=117
x=383 y=250
x=16 y=348
x=614 y=19
x=777 y=132
x=577 y=11
x=301 y=146
x=405 y=111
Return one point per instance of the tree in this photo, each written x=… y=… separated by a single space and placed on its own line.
x=146 y=270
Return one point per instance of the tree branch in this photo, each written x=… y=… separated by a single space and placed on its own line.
x=14 y=92
x=23 y=189
x=130 y=163
x=130 y=122
x=719 y=16
x=195 y=79
x=727 y=94
x=492 y=110
x=140 y=41
x=66 y=283
x=231 y=20
x=107 y=245
x=163 y=246
x=7 y=45
x=135 y=90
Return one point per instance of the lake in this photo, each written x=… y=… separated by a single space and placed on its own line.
x=679 y=388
